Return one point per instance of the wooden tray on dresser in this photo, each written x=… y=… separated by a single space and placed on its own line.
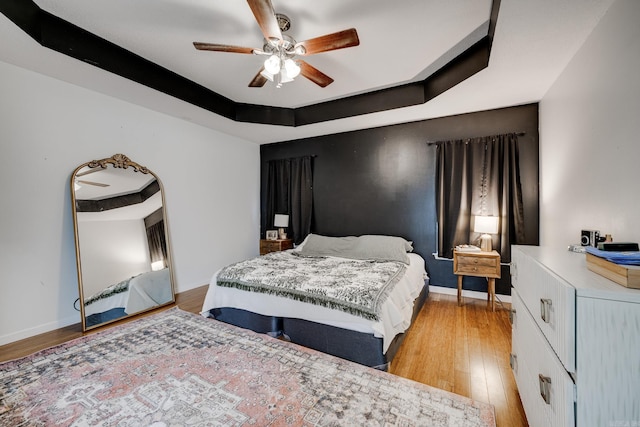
x=625 y=275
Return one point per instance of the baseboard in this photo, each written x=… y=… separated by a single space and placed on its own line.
x=467 y=293
x=37 y=330
x=58 y=324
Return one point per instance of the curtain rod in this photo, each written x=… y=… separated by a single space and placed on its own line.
x=469 y=139
x=295 y=157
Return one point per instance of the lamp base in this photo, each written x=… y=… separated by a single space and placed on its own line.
x=281 y=234
x=485 y=243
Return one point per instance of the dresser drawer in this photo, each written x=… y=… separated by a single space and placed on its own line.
x=551 y=302
x=538 y=372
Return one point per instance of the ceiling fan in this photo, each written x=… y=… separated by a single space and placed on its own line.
x=97 y=184
x=283 y=64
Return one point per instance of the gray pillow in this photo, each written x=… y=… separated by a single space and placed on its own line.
x=367 y=247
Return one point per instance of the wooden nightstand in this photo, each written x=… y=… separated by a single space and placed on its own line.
x=267 y=246
x=478 y=264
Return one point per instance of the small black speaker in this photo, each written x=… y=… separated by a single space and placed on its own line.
x=589 y=238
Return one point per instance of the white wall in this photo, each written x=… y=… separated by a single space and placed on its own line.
x=112 y=251
x=47 y=129
x=590 y=136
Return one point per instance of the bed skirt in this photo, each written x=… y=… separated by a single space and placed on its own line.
x=355 y=346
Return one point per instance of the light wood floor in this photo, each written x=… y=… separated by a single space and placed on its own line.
x=461 y=349
x=189 y=301
x=464 y=350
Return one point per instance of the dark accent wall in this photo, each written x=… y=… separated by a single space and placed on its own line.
x=382 y=180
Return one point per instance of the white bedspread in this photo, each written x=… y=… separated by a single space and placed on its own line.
x=149 y=290
x=144 y=291
x=397 y=310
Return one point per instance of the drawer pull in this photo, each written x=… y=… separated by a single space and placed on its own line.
x=545 y=309
x=545 y=388
x=513 y=360
x=512 y=316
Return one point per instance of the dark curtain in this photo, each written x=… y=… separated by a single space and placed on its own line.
x=290 y=192
x=479 y=176
x=157 y=242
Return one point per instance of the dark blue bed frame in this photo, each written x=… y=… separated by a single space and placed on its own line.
x=358 y=347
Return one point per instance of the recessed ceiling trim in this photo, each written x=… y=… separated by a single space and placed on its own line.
x=116 y=202
x=62 y=36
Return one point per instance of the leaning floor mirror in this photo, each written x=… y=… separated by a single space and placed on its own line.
x=122 y=242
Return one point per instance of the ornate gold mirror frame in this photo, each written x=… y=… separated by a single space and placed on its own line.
x=122 y=240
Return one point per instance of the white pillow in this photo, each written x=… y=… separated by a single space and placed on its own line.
x=367 y=247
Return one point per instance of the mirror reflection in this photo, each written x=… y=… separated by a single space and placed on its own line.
x=124 y=264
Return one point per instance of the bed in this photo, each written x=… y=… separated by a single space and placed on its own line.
x=178 y=368
x=130 y=296
x=362 y=317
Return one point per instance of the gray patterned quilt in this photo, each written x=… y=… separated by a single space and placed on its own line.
x=353 y=286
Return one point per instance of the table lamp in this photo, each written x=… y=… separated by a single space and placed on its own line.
x=282 y=222
x=486 y=225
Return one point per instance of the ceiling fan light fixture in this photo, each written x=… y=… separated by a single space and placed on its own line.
x=281 y=49
x=272 y=64
x=285 y=77
x=292 y=68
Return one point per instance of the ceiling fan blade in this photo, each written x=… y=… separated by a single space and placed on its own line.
x=94 y=170
x=97 y=184
x=222 y=47
x=259 y=80
x=266 y=17
x=315 y=75
x=333 y=41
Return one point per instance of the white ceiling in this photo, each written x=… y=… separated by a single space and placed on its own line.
x=400 y=42
x=119 y=182
x=100 y=183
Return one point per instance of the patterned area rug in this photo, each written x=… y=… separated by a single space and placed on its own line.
x=178 y=368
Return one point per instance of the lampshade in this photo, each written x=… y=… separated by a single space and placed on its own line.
x=272 y=64
x=284 y=76
x=486 y=224
x=281 y=220
x=293 y=69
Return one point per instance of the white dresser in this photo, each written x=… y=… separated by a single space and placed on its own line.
x=575 y=343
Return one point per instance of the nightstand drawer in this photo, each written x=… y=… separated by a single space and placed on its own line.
x=268 y=246
x=464 y=261
x=477 y=265
x=483 y=264
x=483 y=270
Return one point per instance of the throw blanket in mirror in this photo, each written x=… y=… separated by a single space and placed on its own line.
x=354 y=286
x=109 y=292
